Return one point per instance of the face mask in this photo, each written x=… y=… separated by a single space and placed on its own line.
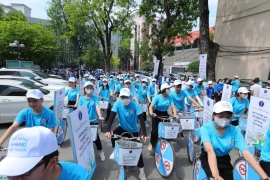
x=125 y=101
x=244 y=96
x=153 y=83
x=105 y=84
x=137 y=79
x=222 y=122
x=121 y=82
x=168 y=91
x=131 y=78
x=89 y=91
x=111 y=79
x=144 y=84
x=220 y=82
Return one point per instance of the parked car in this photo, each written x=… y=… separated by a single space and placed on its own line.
x=37 y=75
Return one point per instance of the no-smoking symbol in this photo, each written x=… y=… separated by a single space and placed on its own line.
x=167 y=165
x=163 y=145
x=242 y=169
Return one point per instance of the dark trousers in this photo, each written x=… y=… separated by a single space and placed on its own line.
x=155 y=121
x=97 y=141
x=119 y=131
x=108 y=112
x=266 y=167
x=217 y=97
x=235 y=123
x=224 y=165
x=144 y=116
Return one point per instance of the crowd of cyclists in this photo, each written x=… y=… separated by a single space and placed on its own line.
x=126 y=93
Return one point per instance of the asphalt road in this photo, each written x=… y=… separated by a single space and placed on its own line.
x=108 y=170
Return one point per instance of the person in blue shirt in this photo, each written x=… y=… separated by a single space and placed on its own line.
x=128 y=114
x=265 y=158
x=240 y=104
x=94 y=112
x=193 y=95
x=105 y=93
x=159 y=107
x=199 y=88
x=218 y=90
x=119 y=86
x=218 y=138
x=137 y=83
x=235 y=85
x=72 y=92
x=35 y=115
x=86 y=78
x=152 y=90
x=112 y=84
x=210 y=91
x=142 y=97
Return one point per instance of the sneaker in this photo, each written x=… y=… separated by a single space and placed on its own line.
x=150 y=147
x=146 y=124
x=142 y=176
x=112 y=156
x=102 y=156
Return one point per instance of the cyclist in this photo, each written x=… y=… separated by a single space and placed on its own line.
x=100 y=81
x=72 y=92
x=240 y=104
x=95 y=86
x=193 y=94
x=199 y=88
x=137 y=83
x=265 y=159
x=128 y=114
x=94 y=112
x=218 y=90
x=142 y=97
x=210 y=91
x=152 y=90
x=35 y=115
x=112 y=83
x=104 y=92
x=119 y=86
x=39 y=159
x=235 y=85
x=86 y=78
x=218 y=138
x=159 y=107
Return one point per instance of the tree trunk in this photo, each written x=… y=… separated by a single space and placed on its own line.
x=160 y=67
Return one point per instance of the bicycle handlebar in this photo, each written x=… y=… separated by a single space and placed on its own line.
x=69 y=106
x=126 y=138
x=3 y=149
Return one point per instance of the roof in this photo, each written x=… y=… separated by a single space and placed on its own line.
x=37 y=20
x=20 y=5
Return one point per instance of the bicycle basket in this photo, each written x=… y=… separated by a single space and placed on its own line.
x=127 y=153
x=168 y=130
x=188 y=123
x=94 y=132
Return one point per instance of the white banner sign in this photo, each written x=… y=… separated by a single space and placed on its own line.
x=203 y=65
x=58 y=107
x=156 y=65
x=80 y=136
x=264 y=93
x=82 y=88
x=226 y=92
x=258 y=121
x=208 y=109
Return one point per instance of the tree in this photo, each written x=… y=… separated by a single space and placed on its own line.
x=145 y=50
x=124 y=53
x=193 y=67
x=115 y=61
x=13 y=15
x=147 y=66
x=1 y=12
x=91 y=58
x=169 y=19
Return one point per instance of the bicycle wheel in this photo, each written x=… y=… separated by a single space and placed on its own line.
x=164 y=158
x=190 y=146
x=196 y=138
x=61 y=131
x=122 y=173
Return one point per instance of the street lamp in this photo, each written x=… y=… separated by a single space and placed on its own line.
x=17 y=47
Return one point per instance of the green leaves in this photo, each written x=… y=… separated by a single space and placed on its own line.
x=193 y=67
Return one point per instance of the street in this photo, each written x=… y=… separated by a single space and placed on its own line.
x=108 y=170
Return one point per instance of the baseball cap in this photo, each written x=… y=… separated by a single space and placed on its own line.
x=164 y=86
x=93 y=78
x=199 y=79
x=72 y=79
x=144 y=80
x=111 y=76
x=104 y=80
x=243 y=90
x=137 y=75
x=87 y=83
x=34 y=93
x=177 y=82
x=26 y=148
x=125 y=92
x=86 y=75
x=190 y=83
x=121 y=78
x=127 y=81
x=222 y=106
x=236 y=76
x=210 y=82
x=154 y=80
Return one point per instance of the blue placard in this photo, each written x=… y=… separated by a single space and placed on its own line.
x=242 y=124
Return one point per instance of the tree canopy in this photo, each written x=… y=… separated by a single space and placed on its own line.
x=193 y=67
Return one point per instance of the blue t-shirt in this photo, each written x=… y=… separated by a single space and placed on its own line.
x=210 y=91
x=218 y=88
x=84 y=80
x=192 y=93
x=105 y=94
x=127 y=115
x=142 y=94
x=72 y=93
x=91 y=106
x=162 y=104
x=179 y=99
x=235 y=85
x=46 y=118
x=111 y=86
x=71 y=171
x=119 y=87
x=222 y=145
x=151 y=91
x=198 y=88
x=238 y=107
x=266 y=148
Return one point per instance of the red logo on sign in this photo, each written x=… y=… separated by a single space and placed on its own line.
x=163 y=145
x=157 y=159
x=242 y=169
x=167 y=165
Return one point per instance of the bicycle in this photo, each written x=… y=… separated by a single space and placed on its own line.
x=198 y=172
x=243 y=171
x=61 y=129
x=103 y=107
x=164 y=152
x=3 y=149
x=126 y=153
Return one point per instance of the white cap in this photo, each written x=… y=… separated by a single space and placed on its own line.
x=86 y=75
x=87 y=83
x=127 y=81
x=199 y=79
x=177 y=82
x=101 y=76
x=121 y=78
x=210 y=82
x=105 y=80
x=154 y=80
x=124 y=92
x=236 y=76
x=72 y=79
x=222 y=106
x=144 y=80
x=92 y=78
x=111 y=76
x=26 y=148
x=164 y=86
x=137 y=75
x=34 y=93
x=243 y=90
x=190 y=83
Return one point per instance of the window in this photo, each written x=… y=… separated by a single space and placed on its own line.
x=12 y=73
x=25 y=81
x=11 y=91
x=27 y=74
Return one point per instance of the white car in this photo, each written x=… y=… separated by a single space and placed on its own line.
x=13 y=99
x=31 y=81
x=37 y=75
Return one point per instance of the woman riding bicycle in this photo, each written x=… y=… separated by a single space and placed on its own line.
x=159 y=106
x=142 y=97
x=218 y=138
x=240 y=104
x=193 y=94
x=72 y=92
x=104 y=92
x=94 y=112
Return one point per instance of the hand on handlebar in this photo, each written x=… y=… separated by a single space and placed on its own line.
x=176 y=117
x=108 y=135
x=144 y=138
x=153 y=115
x=218 y=177
x=200 y=109
x=101 y=118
